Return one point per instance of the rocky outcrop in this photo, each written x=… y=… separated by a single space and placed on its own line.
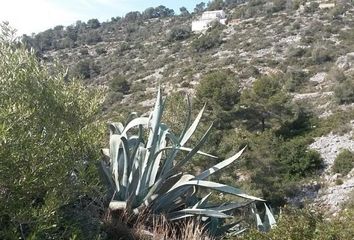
x=335 y=188
x=346 y=62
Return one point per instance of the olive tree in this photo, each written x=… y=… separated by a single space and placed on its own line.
x=49 y=137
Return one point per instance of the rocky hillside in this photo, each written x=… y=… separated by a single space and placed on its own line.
x=307 y=44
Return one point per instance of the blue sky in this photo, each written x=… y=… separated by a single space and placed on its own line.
x=29 y=16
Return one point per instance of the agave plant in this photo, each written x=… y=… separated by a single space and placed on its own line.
x=147 y=175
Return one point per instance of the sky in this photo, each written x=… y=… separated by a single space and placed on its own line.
x=33 y=16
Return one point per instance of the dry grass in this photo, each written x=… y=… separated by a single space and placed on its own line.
x=121 y=226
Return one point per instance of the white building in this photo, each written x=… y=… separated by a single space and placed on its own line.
x=207 y=17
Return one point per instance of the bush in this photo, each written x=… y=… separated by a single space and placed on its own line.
x=336 y=75
x=299 y=224
x=219 y=90
x=277 y=166
x=178 y=33
x=321 y=55
x=100 y=50
x=295 y=78
x=49 y=142
x=344 y=92
x=207 y=41
x=344 y=162
x=119 y=84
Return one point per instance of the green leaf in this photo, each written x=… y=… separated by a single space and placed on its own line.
x=192 y=128
x=219 y=166
x=219 y=187
x=270 y=217
x=202 y=212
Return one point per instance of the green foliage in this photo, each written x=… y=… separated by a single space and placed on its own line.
x=184 y=12
x=209 y=40
x=336 y=75
x=86 y=69
x=337 y=11
x=344 y=92
x=296 y=159
x=199 y=8
x=48 y=148
x=321 y=55
x=93 y=23
x=158 y=12
x=219 y=90
x=215 y=5
x=119 y=84
x=296 y=224
x=277 y=165
x=312 y=7
x=267 y=101
x=178 y=33
x=295 y=78
x=147 y=175
x=344 y=162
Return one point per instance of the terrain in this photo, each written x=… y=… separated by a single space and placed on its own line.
x=278 y=78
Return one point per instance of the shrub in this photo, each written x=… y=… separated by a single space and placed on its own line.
x=344 y=92
x=178 y=33
x=219 y=90
x=83 y=69
x=344 y=162
x=336 y=75
x=119 y=84
x=207 y=41
x=298 y=224
x=100 y=50
x=265 y=102
x=295 y=78
x=48 y=138
x=321 y=54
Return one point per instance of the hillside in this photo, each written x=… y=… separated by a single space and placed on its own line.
x=277 y=78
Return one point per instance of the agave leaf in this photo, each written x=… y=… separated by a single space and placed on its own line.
x=186 y=149
x=114 y=155
x=155 y=120
x=141 y=168
x=116 y=128
x=221 y=230
x=219 y=166
x=174 y=216
x=106 y=156
x=165 y=201
x=192 y=128
x=169 y=183
x=258 y=218
x=105 y=152
x=200 y=203
x=270 y=217
x=230 y=206
x=201 y=212
x=126 y=161
x=259 y=222
x=131 y=116
x=154 y=167
x=188 y=120
x=219 y=187
x=135 y=122
x=184 y=179
x=106 y=175
x=194 y=150
x=237 y=232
